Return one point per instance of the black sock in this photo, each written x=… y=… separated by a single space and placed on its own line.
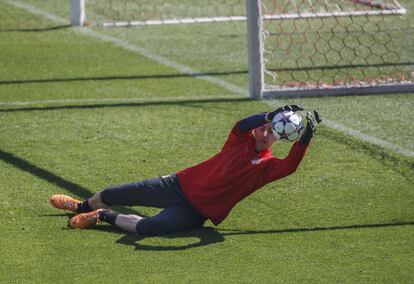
x=107 y=216
x=83 y=207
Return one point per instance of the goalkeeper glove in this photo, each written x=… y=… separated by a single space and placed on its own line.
x=312 y=122
x=271 y=115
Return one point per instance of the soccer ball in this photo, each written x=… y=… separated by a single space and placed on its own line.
x=287 y=125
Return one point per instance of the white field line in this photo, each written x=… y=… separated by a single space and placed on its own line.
x=368 y=138
x=185 y=69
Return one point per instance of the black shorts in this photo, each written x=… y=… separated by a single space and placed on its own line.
x=162 y=192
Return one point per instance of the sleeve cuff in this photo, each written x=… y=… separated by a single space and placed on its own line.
x=267 y=117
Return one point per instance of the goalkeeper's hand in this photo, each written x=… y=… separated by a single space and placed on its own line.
x=271 y=115
x=313 y=121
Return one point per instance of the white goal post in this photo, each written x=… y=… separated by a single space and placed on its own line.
x=295 y=47
x=77 y=12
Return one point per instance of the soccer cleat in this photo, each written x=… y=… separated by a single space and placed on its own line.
x=84 y=220
x=64 y=202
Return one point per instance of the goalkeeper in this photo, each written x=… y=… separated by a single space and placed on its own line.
x=208 y=190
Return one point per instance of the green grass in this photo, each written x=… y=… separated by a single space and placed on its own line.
x=345 y=216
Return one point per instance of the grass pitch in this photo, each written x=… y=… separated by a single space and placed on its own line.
x=346 y=215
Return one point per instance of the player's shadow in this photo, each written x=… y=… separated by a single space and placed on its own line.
x=210 y=235
x=205 y=236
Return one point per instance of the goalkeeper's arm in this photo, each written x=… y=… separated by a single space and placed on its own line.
x=257 y=120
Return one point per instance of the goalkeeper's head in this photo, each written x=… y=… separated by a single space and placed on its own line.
x=264 y=137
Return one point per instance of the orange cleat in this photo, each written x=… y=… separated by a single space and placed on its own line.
x=64 y=202
x=84 y=220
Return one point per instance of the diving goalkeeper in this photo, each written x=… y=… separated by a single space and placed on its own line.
x=208 y=190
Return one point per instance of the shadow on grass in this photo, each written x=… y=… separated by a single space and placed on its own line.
x=46 y=175
x=187 y=102
x=67 y=214
x=205 y=236
x=52 y=178
x=176 y=75
x=210 y=235
x=54 y=28
x=230 y=232
x=119 y=77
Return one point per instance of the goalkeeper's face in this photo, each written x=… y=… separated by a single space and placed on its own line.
x=264 y=137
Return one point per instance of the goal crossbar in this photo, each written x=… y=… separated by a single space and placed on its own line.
x=196 y=20
x=293 y=16
x=310 y=15
x=78 y=16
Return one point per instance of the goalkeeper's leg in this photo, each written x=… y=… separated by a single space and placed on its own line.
x=157 y=192
x=171 y=219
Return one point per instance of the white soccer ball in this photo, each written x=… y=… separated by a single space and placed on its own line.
x=287 y=125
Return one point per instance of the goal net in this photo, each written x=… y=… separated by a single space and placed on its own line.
x=121 y=13
x=318 y=47
x=296 y=47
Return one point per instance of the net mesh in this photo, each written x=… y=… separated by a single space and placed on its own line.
x=317 y=43
x=147 y=12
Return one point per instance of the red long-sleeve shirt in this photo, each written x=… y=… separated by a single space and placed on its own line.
x=216 y=185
